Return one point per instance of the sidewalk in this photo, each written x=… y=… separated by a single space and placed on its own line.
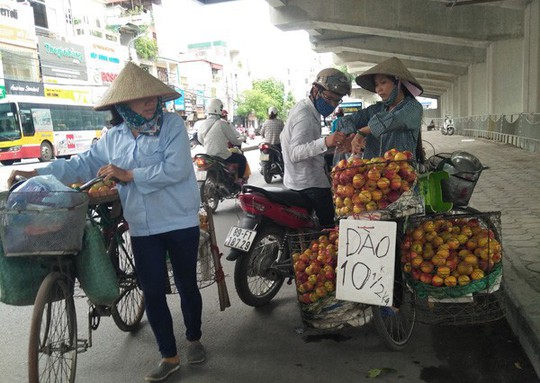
x=510 y=185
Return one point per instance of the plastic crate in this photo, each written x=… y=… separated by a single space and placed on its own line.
x=48 y=223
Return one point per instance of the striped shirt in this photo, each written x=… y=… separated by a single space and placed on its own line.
x=398 y=128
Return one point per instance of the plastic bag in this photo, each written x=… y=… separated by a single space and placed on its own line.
x=40 y=192
x=20 y=279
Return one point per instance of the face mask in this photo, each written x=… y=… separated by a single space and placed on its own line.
x=323 y=107
x=393 y=96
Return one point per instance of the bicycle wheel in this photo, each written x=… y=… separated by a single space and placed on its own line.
x=52 y=352
x=395 y=325
x=128 y=309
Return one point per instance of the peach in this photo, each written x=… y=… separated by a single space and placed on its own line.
x=450 y=281
x=443 y=271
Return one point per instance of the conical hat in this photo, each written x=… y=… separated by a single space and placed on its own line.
x=391 y=67
x=134 y=83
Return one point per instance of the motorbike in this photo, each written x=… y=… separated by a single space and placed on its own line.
x=271 y=161
x=258 y=243
x=193 y=140
x=217 y=179
x=448 y=127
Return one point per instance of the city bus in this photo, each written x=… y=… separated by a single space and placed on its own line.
x=44 y=128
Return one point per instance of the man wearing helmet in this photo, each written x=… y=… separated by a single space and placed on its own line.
x=393 y=122
x=304 y=148
x=271 y=128
x=215 y=134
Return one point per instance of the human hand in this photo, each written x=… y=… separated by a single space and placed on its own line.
x=114 y=172
x=20 y=173
x=335 y=139
x=346 y=145
x=358 y=143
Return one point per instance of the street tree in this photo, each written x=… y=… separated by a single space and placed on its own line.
x=265 y=93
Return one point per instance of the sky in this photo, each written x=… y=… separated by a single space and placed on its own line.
x=244 y=24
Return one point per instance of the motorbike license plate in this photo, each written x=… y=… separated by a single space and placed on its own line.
x=239 y=238
x=200 y=175
x=264 y=157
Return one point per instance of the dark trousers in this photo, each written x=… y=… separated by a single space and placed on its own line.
x=150 y=261
x=237 y=158
x=321 y=201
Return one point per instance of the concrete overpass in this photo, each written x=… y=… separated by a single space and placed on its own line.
x=477 y=57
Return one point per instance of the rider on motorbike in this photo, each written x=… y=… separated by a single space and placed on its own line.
x=215 y=134
x=271 y=128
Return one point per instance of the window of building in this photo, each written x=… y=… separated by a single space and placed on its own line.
x=40 y=13
x=19 y=65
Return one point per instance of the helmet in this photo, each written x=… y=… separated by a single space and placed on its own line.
x=333 y=80
x=224 y=113
x=272 y=110
x=214 y=106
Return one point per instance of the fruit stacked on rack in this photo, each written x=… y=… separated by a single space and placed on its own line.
x=361 y=185
x=450 y=252
x=315 y=268
x=99 y=189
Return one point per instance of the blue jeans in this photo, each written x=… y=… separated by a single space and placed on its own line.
x=150 y=262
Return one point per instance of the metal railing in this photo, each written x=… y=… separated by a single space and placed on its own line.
x=520 y=130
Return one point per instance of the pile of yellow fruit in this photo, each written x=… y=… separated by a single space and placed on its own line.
x=450 y=251
x=361 y=185
x=315 y=268
x=99 y=189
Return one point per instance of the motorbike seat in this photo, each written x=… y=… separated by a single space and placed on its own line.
x=285 y=197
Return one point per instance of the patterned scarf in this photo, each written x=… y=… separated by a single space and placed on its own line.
x=135 y=121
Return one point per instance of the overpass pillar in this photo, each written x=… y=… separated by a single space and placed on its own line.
x=531 y=59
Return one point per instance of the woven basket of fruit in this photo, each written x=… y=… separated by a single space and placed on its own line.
x=314 y=256
x=453 y=261
x=384 y=185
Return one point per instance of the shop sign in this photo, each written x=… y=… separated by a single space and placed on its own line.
x=76 y=95
x=365 y=269
x=17 y=24
x=62 y=59
x=27 y=88
x=2 y=91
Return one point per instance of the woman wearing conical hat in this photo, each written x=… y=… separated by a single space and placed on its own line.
x=393 y=122
x=148 y=152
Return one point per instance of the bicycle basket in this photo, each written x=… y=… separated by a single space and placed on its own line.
x=206 y=273
x=319 y=307
x=454 y=265
x=47 y=223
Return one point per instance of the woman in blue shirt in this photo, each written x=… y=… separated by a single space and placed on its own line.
x=395 y=121
x=148 y=152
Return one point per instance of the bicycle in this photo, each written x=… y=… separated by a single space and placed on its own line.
x=53 y=242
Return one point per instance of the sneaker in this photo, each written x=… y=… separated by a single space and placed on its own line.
x=196 y=353
x=162 y=372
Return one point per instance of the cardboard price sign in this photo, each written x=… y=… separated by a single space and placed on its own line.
x=365 y=269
